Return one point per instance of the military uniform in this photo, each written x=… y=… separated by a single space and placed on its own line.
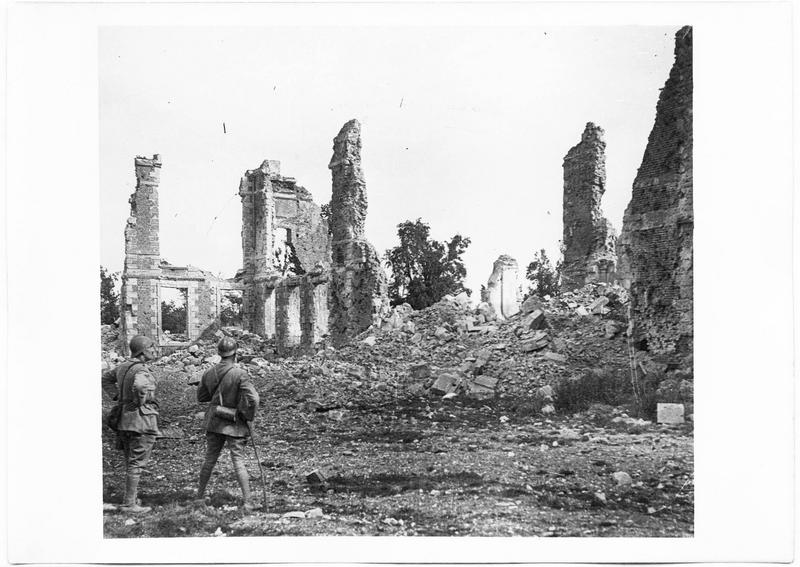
x=135 y=390
x=227 y=385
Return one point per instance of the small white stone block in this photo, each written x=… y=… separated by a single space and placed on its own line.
x=669 y=413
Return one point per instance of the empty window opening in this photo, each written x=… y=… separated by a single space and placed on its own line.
x=174 y=314
x=286 y=260
x=230 y=308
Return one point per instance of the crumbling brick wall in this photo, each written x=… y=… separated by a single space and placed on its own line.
x=502 y=289
x=358 y=285
x=272 y=203
x=139 y=292
x=279 y=298
x=589 y=239
x=656 y=250
x=146 y=276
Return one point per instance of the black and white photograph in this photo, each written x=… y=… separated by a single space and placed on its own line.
x=499 y=359
x=421 y=281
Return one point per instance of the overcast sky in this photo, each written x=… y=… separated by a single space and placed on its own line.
x=465 y=128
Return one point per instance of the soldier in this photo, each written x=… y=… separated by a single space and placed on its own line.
x=134 y=388
x=233 y=403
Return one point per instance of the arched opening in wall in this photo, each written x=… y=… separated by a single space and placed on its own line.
x=174 y=318
x=230 y=308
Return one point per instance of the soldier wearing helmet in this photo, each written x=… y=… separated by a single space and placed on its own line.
x=134 y=388
x=233 y=403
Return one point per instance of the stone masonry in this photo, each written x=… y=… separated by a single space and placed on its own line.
x=358 y=287
x=300 y=281
x=145 y=276
x=139 y=292
x=503 y=289
x=286 y=258
x=589 y=239
x=656 y=251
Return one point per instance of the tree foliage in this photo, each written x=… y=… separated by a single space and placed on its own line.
x=173 y=318
x=424 y=270
x=230 y=314
x=109 y=298
x=543 y=277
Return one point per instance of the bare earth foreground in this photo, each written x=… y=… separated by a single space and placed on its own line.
x=459 y=472
x=397 y=458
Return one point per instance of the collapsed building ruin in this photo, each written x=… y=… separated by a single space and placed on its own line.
x=358 y=290
x=656 y=253
x=589 y=239
x=286 y=252
x=147 y=280
x=503 y=288
x=300 y=281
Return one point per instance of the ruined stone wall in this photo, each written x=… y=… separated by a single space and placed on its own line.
x=271 y=202
x=139 y=292
x=358 y=286
x=300 y=318
x=202 y=297
x=589 y=239
x=283 y=303
x=502 y=289
x=296 y=211
x=656 y=249
x=145 y=276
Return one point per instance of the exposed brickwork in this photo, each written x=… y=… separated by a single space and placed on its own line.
x=271 y=202
x=349 y=197
x=279 y=298
x=139 y=292
x=358 y=286
x=589 y=239
x=656 y=251
x=287 y=280
x=145 y=275
x=502 y=290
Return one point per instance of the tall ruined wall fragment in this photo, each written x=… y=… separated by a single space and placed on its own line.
x=147 y=280
x=655 y=246
x=358 y=286
x=286 y=255
x=283 y=236
x=589 y=239
x=502 y=289
x=139 y=290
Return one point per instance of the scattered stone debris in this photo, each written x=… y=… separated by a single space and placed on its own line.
x=435 y=351
x=669 y=413
x=298 y=514
x=316 y=477
x=622 y=478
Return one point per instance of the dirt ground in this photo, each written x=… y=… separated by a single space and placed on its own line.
x=420 y=466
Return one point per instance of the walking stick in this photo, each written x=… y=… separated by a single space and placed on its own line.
x=260 y=468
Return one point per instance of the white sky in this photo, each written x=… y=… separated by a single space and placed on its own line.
x=464 y=127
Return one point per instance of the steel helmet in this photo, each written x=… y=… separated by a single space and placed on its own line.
x=227 y=346
x=139 y=344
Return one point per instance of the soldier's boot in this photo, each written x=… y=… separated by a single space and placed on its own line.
x=130 y=503
x=244 y=483
x=205 y=476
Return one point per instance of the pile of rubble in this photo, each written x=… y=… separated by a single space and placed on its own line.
x=449 y=349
